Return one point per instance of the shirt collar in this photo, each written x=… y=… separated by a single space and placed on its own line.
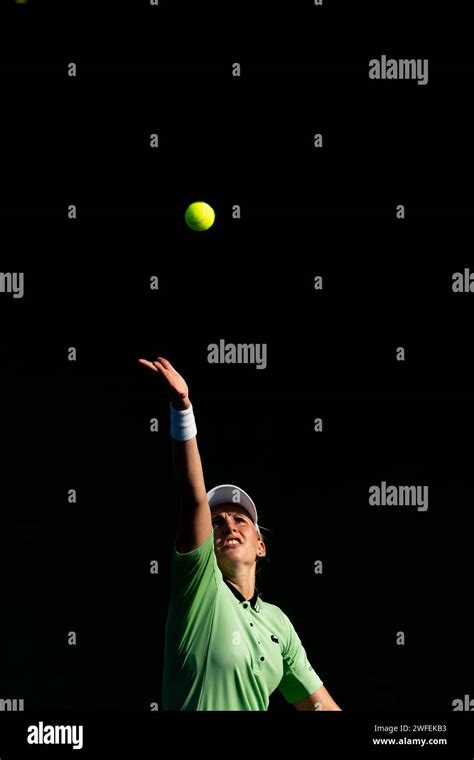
x=241 y=597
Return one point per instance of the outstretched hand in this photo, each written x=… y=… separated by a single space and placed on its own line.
x=175 y=384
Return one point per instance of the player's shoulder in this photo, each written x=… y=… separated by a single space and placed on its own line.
x=272 y=610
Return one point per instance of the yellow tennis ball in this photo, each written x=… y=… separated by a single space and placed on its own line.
x=199 y=216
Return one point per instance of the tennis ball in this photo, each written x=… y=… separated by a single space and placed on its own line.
x=199 y=216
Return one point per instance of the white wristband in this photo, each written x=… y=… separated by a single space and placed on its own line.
x=183 y=424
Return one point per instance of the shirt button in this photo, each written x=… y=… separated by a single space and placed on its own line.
x=251 y=624
x=262 y=658
x=245 y=606
x=259 y=642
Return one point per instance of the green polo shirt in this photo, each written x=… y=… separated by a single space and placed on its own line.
x=223 y=652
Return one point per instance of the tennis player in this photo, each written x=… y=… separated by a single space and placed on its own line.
x=225 y=648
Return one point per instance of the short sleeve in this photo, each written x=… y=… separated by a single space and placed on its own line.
x=194 y=572
x=299 y=678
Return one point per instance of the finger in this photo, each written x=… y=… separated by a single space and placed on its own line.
x=166 y=363
x=148 y=364
x=161 y=369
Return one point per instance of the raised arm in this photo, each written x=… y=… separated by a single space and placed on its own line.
x=194 y=519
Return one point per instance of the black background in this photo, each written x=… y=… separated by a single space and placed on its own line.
x=331 y=354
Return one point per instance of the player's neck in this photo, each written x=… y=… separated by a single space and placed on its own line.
x=246 y=585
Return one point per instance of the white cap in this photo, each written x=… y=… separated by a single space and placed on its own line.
x=228 y=494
